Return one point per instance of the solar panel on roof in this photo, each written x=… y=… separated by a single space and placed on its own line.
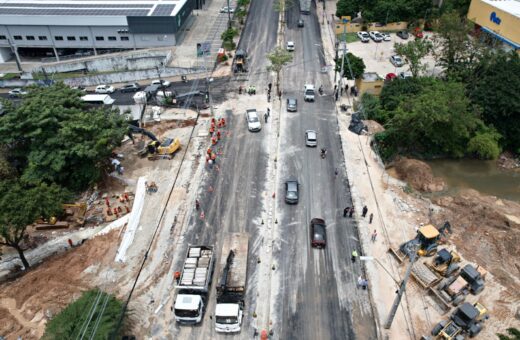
x=35 y=5
x=163 y=10
x=58 y=11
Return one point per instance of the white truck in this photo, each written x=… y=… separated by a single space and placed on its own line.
x=193 y=284
x=308 y=93
x=231 y=288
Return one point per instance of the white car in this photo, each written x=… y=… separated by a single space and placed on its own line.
x=15 y=93
x=104 y=89
x=405 y=75
x=308 y=93
x=396 y=60
x=376 y=36
x=227 y=9
x=363 y=36
x=311 y=138
x=386 y=37
x=253 y=121
x=290 y=46
x=165 y=83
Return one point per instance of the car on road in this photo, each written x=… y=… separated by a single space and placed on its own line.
x=396 y=60
x=363 y=36
x=311 y=138
x=405 y=75
x=227 y=9
x=318 y=233
x=165 y=83
x=290 y=46
x=300 y=23
x=402 y=34
x=104 y=89
x=133 y=87
x=376 y=36
x=386 y=37
x=292 y=188
x=16 y=93
x=308 y=93
x=253 y=121
x=292 y=104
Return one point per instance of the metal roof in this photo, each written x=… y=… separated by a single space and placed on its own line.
x=509 y=6
x=90 y=7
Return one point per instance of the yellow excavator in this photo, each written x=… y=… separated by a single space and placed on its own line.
x=155 y=149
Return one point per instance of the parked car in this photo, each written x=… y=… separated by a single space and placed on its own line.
x=402 y=34
x=164 y=83
x=290 y=46
x=405 y=75
x=292 y=104
x=16 y=93
x=292 y=191
x=386 y=37
x=390 y=76
x=396 y=60
x=418 y=33
x=318 y=233
x=79 y=88
x=376 y=36
x=300 y=23
x=104 y=89
x=253 y=121
x=363 y=36
x=311 y=138
x=133 y=87
x=227 y=9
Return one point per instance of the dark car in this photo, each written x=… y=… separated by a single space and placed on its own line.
x=292 y=104
x=402 y=34
x=291 y=191
x=318 y=233
x=134 y=87
x=300 y=23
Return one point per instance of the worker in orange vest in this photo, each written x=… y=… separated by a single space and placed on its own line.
x=211 y=130
x=223 y=122
x=218 y=134
x=213 y=140
x=213 y=157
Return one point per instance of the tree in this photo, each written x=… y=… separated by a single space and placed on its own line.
x=283 y=5
x=53 y=137
x=347 y=8
x=357 y=65
x=93 y=316
x=21 y=205
x=485 y=145
x=413 y=53
x=455 y=49
x=513 y=332
x=278 y=57
x=495 y=89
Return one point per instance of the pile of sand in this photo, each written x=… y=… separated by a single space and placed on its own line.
x=418 y=175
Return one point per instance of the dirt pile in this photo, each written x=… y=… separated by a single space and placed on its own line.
x=418 y=175
x=486 y=230
x=27 y=302
x=373 y=127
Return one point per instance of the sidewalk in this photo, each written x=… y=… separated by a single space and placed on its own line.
x=371 y=186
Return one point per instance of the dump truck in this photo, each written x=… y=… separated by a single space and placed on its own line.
x=231 y=288
x=193 y=285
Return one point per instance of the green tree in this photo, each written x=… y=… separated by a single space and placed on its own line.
x=438 y=121
x=485 y=145
x=229 y=34
x=455 y=49
x=93 y=316
x=357 y=65
x=369 y=106
x=495 y=89
x=243 y=3
x=514 y=334
x=21 y=205
x=398 y=90
x=278 y=58
x=347 y=8
x=283 y=5
x=53 y=137
x=413 y=53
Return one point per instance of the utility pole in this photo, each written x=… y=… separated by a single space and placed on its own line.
x=345 y=21
x=401 y=291
x=229 y=15
x=160 y=80
x=13 y=49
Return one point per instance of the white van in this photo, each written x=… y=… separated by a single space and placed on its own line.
x=100 y=99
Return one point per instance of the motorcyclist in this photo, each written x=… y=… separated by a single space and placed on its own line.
x=320 y=90
x=323 y=152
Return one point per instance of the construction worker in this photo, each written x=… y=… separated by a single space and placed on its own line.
x=211 y=130
x=213 y=157
x=209 y=151
x=213 y=140
x=197 y=204
x=218 y=134
x=223 y=122
x=354 y=255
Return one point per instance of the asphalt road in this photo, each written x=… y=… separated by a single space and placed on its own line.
x=318 y=298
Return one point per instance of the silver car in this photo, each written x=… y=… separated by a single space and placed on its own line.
x=396 y=60
x=253 y=121
x=311 y=138
x=292 y=104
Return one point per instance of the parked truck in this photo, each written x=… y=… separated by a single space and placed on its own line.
x=231 y=288
x=193 y=285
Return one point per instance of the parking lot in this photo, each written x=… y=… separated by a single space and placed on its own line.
x=377 y=56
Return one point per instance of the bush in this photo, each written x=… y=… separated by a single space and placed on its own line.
x=229 y=34
x=243 y=3
x=485 y=145
x=229 y=45
x=68 y=324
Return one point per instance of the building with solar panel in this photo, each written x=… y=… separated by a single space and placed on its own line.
x=55 y=28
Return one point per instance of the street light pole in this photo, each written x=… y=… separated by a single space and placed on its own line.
x=229 y=15
x=343 y=56
x=160 y=81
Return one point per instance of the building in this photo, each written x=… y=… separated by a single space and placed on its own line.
x=55 y=28
x=370 y=82
x=499 y=20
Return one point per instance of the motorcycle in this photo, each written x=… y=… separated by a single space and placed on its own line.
x=323 y=153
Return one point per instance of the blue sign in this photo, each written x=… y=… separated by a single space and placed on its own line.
x=494 y=18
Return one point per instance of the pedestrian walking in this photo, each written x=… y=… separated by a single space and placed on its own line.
x=265 y=117
x=346 y=88
x=374 y=236
x=365 y=210
x=360 y=281
x=197 y=204
x=364 y=284
x=371 y=218
x=268 y=112
x=354 y=255
x=336 y=172
x=351 y=212
x=345 y=211
x=210 y=164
